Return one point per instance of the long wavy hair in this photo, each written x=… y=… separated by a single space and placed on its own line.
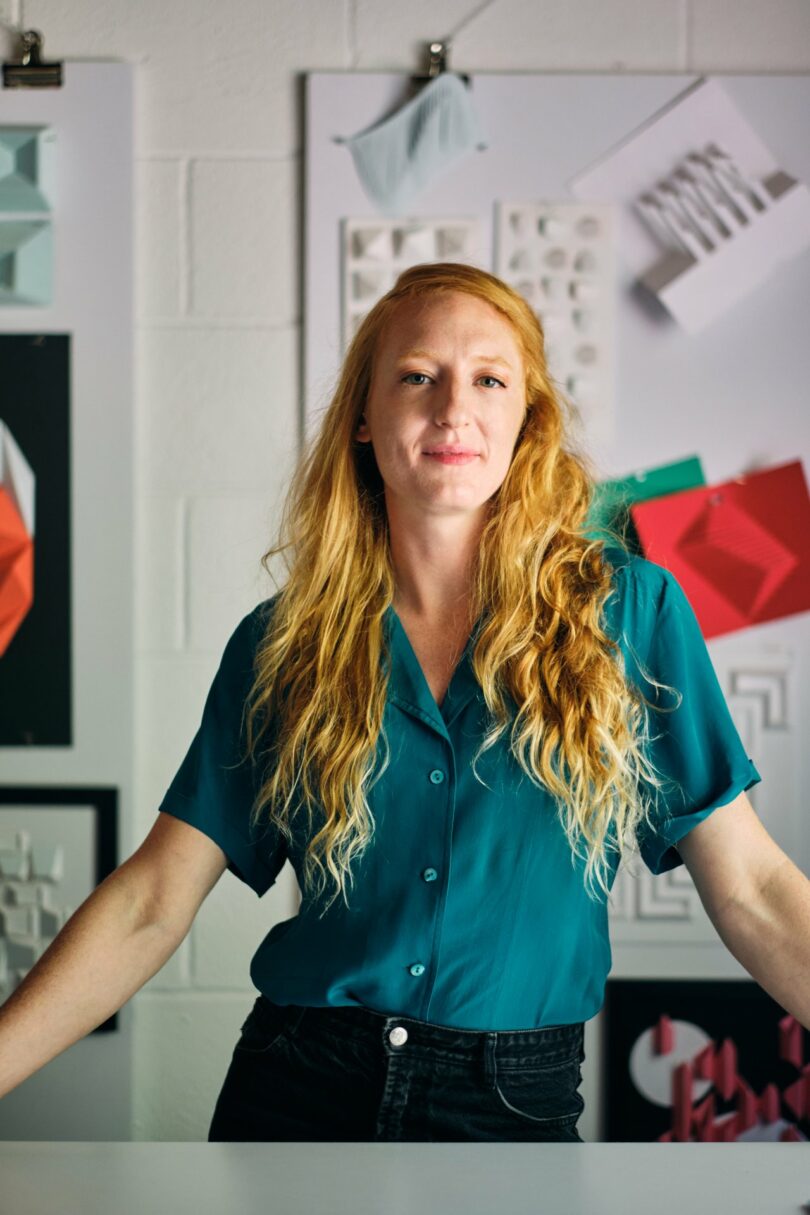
x=540 y=584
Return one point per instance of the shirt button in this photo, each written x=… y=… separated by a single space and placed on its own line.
x=436 y=776
x=417 y=969
x=429 y=875
x=398 y=1035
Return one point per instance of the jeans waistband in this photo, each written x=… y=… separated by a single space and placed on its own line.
x=549 y=1044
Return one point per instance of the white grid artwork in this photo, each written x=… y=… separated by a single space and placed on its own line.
x=561 y=257
x=376 y=251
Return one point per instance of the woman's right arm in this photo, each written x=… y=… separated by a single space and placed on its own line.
x=119 y=937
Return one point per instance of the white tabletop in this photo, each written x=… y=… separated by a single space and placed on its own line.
x=45 y=1178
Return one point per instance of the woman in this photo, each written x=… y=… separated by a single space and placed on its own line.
x=454 y=718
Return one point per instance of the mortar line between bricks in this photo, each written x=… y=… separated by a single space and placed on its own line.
x=185 y=574
x=687 y=34
x=247 y=155
x=214 y=322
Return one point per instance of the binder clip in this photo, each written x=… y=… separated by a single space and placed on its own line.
x=31 y=72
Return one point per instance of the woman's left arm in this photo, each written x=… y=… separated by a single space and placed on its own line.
x=757 y=899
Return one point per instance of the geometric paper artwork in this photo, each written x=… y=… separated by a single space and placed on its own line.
x=17 y=486
x=27 y=166
x=561 y=257
x=703 y=1061
x=27 y=170
x=26 y=262
x=739 y=549
x=376 y=251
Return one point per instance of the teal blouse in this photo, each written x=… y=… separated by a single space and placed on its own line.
x=466 y=909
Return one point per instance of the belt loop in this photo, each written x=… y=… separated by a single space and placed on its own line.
x=490 y=1066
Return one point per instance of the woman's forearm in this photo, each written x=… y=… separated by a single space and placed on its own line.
x=770 y=937
x=105 y=952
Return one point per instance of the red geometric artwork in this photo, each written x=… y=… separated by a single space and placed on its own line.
x=740 y=550
x=697 y=1120
x=17 y=485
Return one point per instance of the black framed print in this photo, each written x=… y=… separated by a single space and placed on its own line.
x=35 y=541
x=56 y=846
x=702 y=1061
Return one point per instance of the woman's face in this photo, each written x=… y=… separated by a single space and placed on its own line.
x=448 y=374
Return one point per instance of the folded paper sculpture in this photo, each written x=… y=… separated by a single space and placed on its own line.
x=16 y=537
x=397 y=158
x=718 y=213
x=740 y=549
x=27 y=168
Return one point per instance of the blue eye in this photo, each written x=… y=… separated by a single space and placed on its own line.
x=424 y=376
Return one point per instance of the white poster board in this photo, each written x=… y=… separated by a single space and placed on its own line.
x=91 y=179
x=735 y=393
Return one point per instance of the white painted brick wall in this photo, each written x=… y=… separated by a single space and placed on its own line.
x=244 y=240
x=158 y=238
x=219 y=141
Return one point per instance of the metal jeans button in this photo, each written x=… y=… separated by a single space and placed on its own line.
x=398 y=1035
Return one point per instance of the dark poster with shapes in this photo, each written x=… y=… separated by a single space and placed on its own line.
x=35 y=569
x=702 y=1061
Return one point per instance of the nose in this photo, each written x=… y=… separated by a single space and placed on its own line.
x=452 y=407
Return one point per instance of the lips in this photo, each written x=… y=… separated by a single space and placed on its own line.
x=450 y=451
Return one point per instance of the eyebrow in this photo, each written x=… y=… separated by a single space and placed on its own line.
x=478 y=358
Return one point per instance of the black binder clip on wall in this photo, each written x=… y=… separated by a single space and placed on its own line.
x=31 y=72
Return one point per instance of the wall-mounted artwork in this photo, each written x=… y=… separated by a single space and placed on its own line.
x=561 y=257
x=56 y=846
x=722 y=212
x=35 y=541
x=17 y=492
x=27 y=172
x=702 y=1061
x=376 y=251
x=740 y=549
x=612 y=500
x=27 y=168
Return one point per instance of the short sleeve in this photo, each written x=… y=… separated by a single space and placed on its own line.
x=214 y=787
x=695 y=747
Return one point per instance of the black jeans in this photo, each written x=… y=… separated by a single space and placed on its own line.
x=351 y=1074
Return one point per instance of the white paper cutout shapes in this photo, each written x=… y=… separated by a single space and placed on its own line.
x=725 y=231
x=397 y=158
x=561 y=257
x=694 y=174
x=375 y=252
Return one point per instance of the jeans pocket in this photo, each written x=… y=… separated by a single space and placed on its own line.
x=542 y=1094
x=263 y=1031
